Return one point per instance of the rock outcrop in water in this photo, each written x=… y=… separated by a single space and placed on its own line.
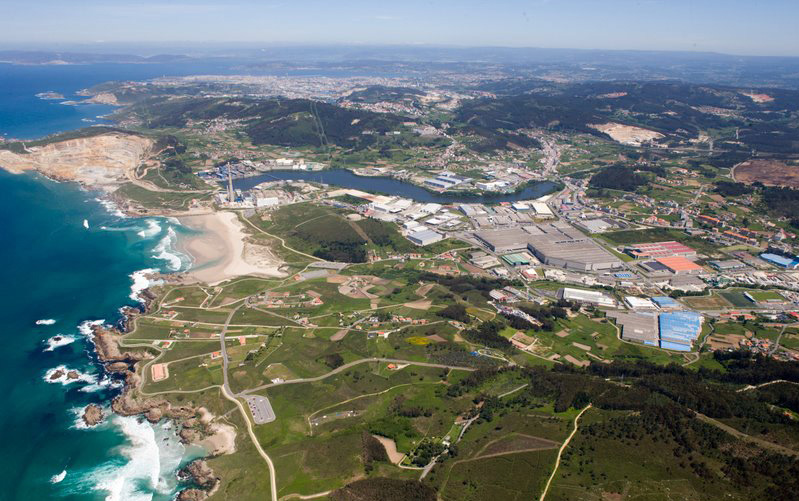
x=92 y=415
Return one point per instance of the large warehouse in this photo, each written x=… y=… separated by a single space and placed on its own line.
x=679 y=329
x=586 y=296
x=560 y=244
x=507 y=240
x=659 y=249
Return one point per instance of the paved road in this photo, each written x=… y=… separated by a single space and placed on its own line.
x=352 y=364
x=261 y=409
x=224 y=349
x=227 y=393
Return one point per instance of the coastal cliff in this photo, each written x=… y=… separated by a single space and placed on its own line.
x=105 y=160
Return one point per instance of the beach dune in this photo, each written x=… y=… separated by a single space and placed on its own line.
x=220 y=250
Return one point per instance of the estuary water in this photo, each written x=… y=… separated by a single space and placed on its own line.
x=390 y=186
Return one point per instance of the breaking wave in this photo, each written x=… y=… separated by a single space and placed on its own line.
x=165 y=250
x=45 y=321
x=142 y=281
x=152 y=229
x=151 y=455
x=85 y=327
x=59 y=341
x=55 y=479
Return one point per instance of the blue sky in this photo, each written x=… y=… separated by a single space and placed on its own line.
x=764 y=27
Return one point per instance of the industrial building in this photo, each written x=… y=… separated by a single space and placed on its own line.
x=554 y=244
x=425 y=237
x=587 y=297
x=679 y=329
x=595 y=225
x=560 y=244
x=665 y=302
x=446 y=180
x=659 y=249
x=637 y=327
x=505 y=240
x=639 y=303
x=517 y=259
x=680 y=265
x=727 y=265
x=781 y=261
x=483 y=260
x=542 y=210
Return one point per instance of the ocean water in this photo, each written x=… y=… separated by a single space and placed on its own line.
x=58 y=275
x=25 y=116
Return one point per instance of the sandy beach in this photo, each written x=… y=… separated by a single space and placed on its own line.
x=220 y=251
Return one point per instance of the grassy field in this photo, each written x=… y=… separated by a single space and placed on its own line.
x=766 y=295
x=737 y=298
x=711 y=302
x=628 y=237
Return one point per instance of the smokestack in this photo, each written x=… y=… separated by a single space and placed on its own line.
x=229 y=185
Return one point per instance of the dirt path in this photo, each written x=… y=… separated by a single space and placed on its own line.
x=743 y=436
x=391 y=449
x=282 y=242
x=357 y=229
x=560 y=452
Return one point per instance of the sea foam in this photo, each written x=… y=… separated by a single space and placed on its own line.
x=152 y=229
x=59 y=341
x=139 y=476
x=141 y=281
x=55 y=479
x=111 y=207
x=165 y=250
x=64 y=379
x=85 y=327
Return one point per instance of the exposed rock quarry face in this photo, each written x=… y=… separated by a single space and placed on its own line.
x=103 y=161
x=92 y=415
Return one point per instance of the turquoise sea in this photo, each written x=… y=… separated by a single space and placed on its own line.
x=57 y=277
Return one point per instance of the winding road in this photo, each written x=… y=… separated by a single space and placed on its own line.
x=352 y=364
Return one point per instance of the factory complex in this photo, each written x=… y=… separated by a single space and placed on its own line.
x=671 y=330
x=555 y=244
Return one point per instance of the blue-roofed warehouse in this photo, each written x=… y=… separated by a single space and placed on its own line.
x=679 y=329
x=781 y=261
x=665 y=302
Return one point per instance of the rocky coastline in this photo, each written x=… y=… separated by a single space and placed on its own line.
x=195 y=424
